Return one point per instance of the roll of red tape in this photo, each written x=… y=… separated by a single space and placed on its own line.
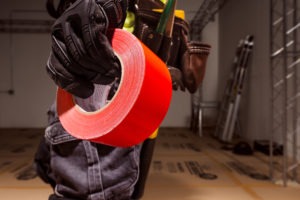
x=138 y=107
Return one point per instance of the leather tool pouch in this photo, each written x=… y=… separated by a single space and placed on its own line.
x=189 y=57
x=193 y=62
x=165 y=47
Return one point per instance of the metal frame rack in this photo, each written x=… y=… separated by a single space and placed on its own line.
x=285 y=83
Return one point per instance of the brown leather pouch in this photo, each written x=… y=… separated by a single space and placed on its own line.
x=193 y=62
x=189 y=57
x=165 y=47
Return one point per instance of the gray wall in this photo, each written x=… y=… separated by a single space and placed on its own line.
x=27 y=53
x=237 y=19
x=34 y=91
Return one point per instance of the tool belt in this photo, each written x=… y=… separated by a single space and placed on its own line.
x=178 y=52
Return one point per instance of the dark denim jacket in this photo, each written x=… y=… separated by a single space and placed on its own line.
x=87 y=170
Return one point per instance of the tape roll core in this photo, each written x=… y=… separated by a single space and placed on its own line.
x=138 y=107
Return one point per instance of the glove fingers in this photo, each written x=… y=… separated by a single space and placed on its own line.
x=109 y=76
x=59 y=49
x=81 y=53
x=107 y=52
x=79 y=62
x=78 y=52
x=66 y=80
x=102 y=79
x=108 y=60
x=99 y=48
x=97 y=19
x=62 y=52
x=95 y=72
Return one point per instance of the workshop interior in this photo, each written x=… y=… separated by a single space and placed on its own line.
x=228 y=127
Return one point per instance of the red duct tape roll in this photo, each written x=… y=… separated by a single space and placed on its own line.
x=137 y=108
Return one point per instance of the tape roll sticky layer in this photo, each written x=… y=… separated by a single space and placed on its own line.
x=137 y=108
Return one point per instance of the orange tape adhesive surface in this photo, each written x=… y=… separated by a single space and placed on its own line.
x=137 y=108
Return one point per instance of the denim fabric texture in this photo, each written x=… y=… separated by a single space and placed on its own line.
x=88 y=170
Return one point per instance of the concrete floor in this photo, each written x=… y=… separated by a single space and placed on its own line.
x=184 y=167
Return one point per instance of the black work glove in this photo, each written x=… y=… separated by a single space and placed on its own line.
x=81 y=53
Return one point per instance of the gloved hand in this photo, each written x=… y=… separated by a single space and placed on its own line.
x=177 y=79
x=81 y=53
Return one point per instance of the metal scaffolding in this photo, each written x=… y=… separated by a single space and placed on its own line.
x=204 y=15
x=285 y=82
